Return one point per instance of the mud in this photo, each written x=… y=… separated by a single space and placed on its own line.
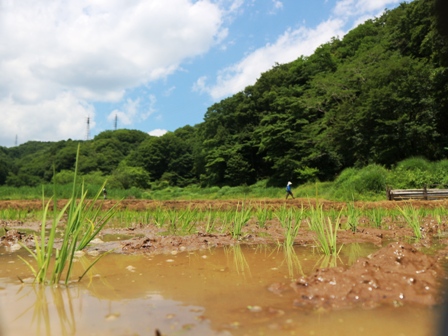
x=402 y=271
x=395 y=274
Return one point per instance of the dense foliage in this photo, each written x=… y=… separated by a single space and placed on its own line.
x=375 y=97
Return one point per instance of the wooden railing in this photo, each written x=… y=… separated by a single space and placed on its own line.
x=422 y=194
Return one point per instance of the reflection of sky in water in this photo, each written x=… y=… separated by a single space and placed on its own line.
x=76 y=312
x=205 y=292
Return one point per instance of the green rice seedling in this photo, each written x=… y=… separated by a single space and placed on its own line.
x=439 y=215
x=412 y=217
x=375 y=217
x=283 y=213
x=159 y=216
x=241 y=217
x=226 y=218
x=173 y=218
x=187 y=219
x=13 y=214
x=263 y=214
x=78 y=231
x=395 y=215
x=352 y=215
x=326 y=230
x=210 y=220
x=291 y=222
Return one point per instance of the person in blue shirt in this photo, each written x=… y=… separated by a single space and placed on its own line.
x=288 y=190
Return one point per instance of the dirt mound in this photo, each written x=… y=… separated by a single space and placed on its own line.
x=272 y=203
x=395 y=275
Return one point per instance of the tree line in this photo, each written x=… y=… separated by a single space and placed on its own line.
x=376 y=96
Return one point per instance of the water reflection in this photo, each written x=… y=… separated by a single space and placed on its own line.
x=292 y=261
x=327 y=261
x=239 y=260
x=50 y=302
x=205 y=292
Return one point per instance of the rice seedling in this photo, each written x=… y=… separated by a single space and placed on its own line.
x=78 y=231
x=352 y=216
x=290 y=220
x=13 y=214
x=226 y=218
x=173 y=218
x=263 y=214
x=187 y=219
x=326 y=230
x=375 y=217
x=210 y=220
x=241 y=217
x=412 y=217
x=159 y=216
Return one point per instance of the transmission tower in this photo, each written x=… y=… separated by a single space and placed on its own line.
x=88 y=129
x=116 y=121
x=16 y=141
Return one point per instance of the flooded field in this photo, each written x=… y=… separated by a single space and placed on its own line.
x=224 y=268
x=216 y=291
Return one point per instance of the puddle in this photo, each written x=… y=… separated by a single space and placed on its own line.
x=116 y=236
x=220 y=291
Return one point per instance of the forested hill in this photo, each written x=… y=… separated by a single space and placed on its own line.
x=379 y=95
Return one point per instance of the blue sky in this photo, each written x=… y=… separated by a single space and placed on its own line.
x=155 y=65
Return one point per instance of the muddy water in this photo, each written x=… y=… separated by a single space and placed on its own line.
x=225 y=291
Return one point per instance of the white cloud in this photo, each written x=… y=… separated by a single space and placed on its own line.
x=288 y=47
x=169 y=91
x=59 y=118
x=157 y=132
x=133 y=111
x=92 y=50
x=277 y=4
x=346 y=8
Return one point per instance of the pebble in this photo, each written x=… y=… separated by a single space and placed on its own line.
x=79 y=254
x=93 y=253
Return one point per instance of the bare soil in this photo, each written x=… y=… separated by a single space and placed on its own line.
x=402 y=271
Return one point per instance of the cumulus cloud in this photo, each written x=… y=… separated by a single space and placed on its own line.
x=287 y=48
x=62 y=117
x=346 y=8
x=59 y=56
x=157 y=132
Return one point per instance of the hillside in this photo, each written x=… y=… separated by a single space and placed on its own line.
x=376 y=96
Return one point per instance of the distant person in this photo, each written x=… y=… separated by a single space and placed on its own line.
x=288 y=190
x=105 y=193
